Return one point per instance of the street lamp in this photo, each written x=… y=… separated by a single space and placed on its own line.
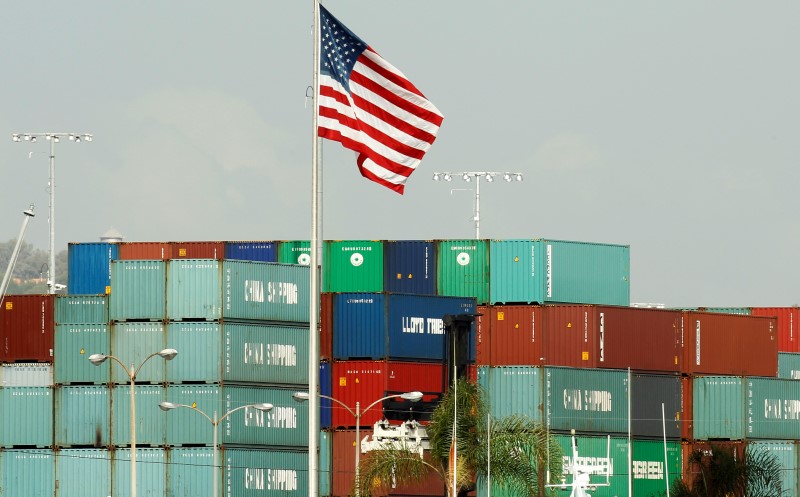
x=488 y=176
x=168 y=406
x=53 y=138
x=98 y=359
x=357 y=413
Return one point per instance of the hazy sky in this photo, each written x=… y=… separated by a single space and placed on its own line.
x=671 y=127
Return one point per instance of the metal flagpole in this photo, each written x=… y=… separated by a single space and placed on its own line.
x=313 y=335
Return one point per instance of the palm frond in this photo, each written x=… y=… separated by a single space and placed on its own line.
x=382 y=469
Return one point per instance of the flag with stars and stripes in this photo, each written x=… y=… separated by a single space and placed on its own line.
x=371 y=108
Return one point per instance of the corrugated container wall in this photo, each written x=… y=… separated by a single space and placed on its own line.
x=151 y=474
x=264 y=291
x=89 y=266
x=649 y=470
x=81 y=309
x=353 y=266
x=294 y=252
x=27 y=472
x=190 y=471
x=513 y=390
x=83 y=472
x=409 y=266
x=325 y=445
x=198 y=250
x=26 y=374
x=27 y=328
x=133 y=343
x=194 y=289
x=587 y=400
x=252 y=251
x=393 y=326
x=74 y=343
x=718 y=407
x=786 y=454
x=151 y=422
x=730 y=344
x=788 y=321
x=264 y=473
x=27 y=416
x=82 y=416
x=145 y=251
x=463 y=269
x=650 y=393
x=789 y=365
x=773 y=408
x=325 y=386
x=138 y=290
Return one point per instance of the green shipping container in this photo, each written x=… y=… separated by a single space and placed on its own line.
x=787 y=454
x=789 y=365
x=463 y=269
x=190 y=471
x=132 y=344
x=151 y=472
x=285 y=425
x=232 y=352
x=83 y=473
x=650 y=471
x=150 y=423
x=27 y=473
x=81 y=309
x=26 y=416
x=294 y=252
x=773 y=408
x=82 y=416
x=74 y=343
x=353 y=266
x=719 y=407
x=265 y=473
x=137 y=290
x=558 y=271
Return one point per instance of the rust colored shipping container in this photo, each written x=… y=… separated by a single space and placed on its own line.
x=27 y=328
x=687 y=427
x=367 y=381
x=506 y=335
x=788 y=317
x=145 y=251
x=729 y=344
x=326 y=326
x=198 y=250
x=343 y=446
x=706 y=450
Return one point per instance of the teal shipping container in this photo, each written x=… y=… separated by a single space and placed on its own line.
x=190 y=471
x=294 y=252
x=74 y=343
x=773 y=408
x=132 y=343
x=786 y=452
x=151 y=426
x=265 y=473
x=264 y=291
x=83 y=472
x=285 y=425
x=26 y=415
x=789 y=365
x=743 y=311
x=82 y=415
x=27 y=473
x=81 y=309
x=352 y=266
x=718 y=405
x=137 y=290
x=194 y=289
x=233 y=352
x=513 y=390
x=463 y=269
x=558 y=271
x=325 y=462
x=151 y=472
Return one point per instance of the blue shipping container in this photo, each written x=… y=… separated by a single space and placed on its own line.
x=325 y=388
x=252 y=251
x=89 y=266
x=409 y=266
x=393 y=326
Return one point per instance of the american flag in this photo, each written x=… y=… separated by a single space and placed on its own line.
x=371 y=108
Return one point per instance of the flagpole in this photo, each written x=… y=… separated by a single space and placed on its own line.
x=313 y=335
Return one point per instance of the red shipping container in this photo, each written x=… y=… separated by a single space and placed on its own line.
x=326 y=326
x=145 y=251
x=343 y=446
x=27 y=328
x=729 y=344
x=788 y=341
x=198 y=250
x=506 y=335
x=367 y=381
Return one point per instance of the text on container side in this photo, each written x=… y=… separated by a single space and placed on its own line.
x=273 y=292
x=430 y=326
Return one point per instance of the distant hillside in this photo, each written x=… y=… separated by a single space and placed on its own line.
x=30 y=272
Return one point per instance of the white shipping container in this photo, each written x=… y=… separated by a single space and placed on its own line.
x=26 y=374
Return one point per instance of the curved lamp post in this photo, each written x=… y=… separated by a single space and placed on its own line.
x=98 y=359
x=168 y=406
x=357 y=413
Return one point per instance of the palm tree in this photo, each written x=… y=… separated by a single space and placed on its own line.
x=757 y=474
x=518 y=450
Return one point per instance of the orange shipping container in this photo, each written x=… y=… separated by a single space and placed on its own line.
x=198 y=250
x=145 y=251
x=788 y=341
